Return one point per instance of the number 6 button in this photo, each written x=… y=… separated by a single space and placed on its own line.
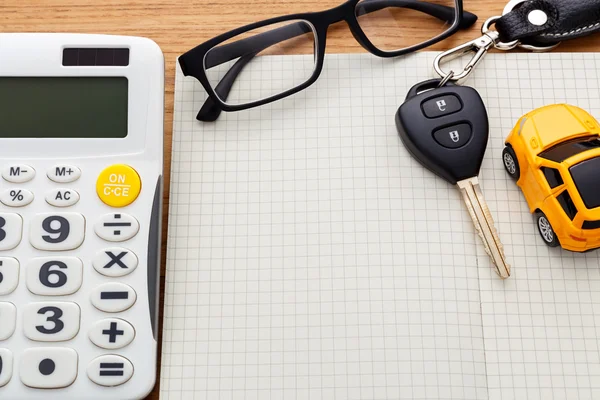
x=57 y=231
x=54 y=276
x=51 y=322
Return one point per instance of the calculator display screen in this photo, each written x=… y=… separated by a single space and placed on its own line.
x=63 y=107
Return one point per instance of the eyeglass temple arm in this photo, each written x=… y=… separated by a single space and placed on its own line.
x=249 y=47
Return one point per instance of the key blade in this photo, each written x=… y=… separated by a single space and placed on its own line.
x=484 y=224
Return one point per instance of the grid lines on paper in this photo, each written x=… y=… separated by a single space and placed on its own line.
x=310 y=257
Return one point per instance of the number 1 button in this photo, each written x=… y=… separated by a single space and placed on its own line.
x=57 y=231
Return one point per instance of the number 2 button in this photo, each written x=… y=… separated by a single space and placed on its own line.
x=58 y=231
x=51 y=322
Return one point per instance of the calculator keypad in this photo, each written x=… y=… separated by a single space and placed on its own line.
x=115 y=262
x=113 y=297
x=9 y=275
x=57 y=231
x=112 y=333
x=48 y=276
x=51 y=321
x=6 y=366
x=11 y=230
x=117 y=227
x=48 y=367
x=54 y=276
x=110 y=370
x=8 y=316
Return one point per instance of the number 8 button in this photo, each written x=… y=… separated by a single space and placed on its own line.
x=57 y=231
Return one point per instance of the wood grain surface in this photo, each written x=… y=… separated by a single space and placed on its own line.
x=179 y=25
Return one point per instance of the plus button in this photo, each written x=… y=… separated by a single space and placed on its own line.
x=113 y=332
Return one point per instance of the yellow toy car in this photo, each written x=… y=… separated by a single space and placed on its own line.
x=554 y=155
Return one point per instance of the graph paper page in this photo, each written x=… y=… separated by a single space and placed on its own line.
x=310 y=257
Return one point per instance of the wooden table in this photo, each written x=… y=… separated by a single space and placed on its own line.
x=178 y=25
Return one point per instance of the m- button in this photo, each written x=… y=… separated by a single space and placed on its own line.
x=118 y=185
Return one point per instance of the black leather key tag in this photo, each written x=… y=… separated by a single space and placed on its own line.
x=547 y=22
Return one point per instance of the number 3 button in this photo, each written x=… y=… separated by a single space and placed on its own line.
x=51 y=322
x=58 y=232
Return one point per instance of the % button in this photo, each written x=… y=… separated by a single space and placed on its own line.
x=118 y=185
x=16 y=197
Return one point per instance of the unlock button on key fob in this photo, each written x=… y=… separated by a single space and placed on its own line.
x=441 y=106
x=453 y=137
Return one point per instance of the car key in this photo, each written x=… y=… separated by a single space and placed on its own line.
x=446 y=129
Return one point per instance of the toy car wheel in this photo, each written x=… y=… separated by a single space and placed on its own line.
x=511 y=163
x=545 y=229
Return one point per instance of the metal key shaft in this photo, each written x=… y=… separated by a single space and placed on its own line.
x=484 y=224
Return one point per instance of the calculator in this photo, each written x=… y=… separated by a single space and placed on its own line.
x=81 y=164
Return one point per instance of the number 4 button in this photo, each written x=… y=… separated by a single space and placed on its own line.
x=57 y=231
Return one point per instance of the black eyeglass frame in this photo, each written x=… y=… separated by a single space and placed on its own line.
x=193 y=62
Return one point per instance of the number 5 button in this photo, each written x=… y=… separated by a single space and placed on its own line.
x=51 y=322
x=57 y=231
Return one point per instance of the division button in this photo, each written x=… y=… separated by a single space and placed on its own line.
x=63 y=173
x=110 y=370
x=20 y=173
x=113 y=297
x=6 y=366
x=117 y=227
x=62 y=197
x=16 y=197
x=8 y=318
x=115 y=262
x=9 y=275
x=112 y=333
x=118 y=185
x=48 y=367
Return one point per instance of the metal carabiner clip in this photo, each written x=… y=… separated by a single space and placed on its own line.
x=478 y=46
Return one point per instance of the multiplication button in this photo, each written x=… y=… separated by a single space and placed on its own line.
x=48 y=367
x=110 y=370
x=115 y=262
x=117 y=227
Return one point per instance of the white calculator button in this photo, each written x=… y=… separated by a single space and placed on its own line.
x=16 y=197
x=6 y=366
x=54 y=276
x=112 y=333
x=9 y=275
x=63 y=173
x=62 y=197
x=117 y=227
x=115 y=262
x=51 y=322
x=110 y=370
x=11 y=230
x=57 y=231
x=48 y=367
x=18 y=173
x=8 y=320
x=113 y=297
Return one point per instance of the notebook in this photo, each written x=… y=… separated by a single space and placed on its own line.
x=310 y=257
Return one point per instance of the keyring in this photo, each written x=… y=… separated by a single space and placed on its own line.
x=512 y=4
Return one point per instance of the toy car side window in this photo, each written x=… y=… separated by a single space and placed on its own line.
x=566 y=150
x=567 y=204
x=553 y=177
x=589 y=225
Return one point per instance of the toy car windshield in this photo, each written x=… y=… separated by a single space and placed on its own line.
x=564 y=151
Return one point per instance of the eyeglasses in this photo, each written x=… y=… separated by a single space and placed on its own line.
x=236 y=74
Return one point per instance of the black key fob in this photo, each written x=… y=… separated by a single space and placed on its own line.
x=445 y=128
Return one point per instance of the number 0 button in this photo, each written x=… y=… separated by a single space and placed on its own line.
x=58 y=231
x=51 y=322
x=54 y=276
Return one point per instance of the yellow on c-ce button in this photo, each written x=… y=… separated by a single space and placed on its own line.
x=118 y=185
